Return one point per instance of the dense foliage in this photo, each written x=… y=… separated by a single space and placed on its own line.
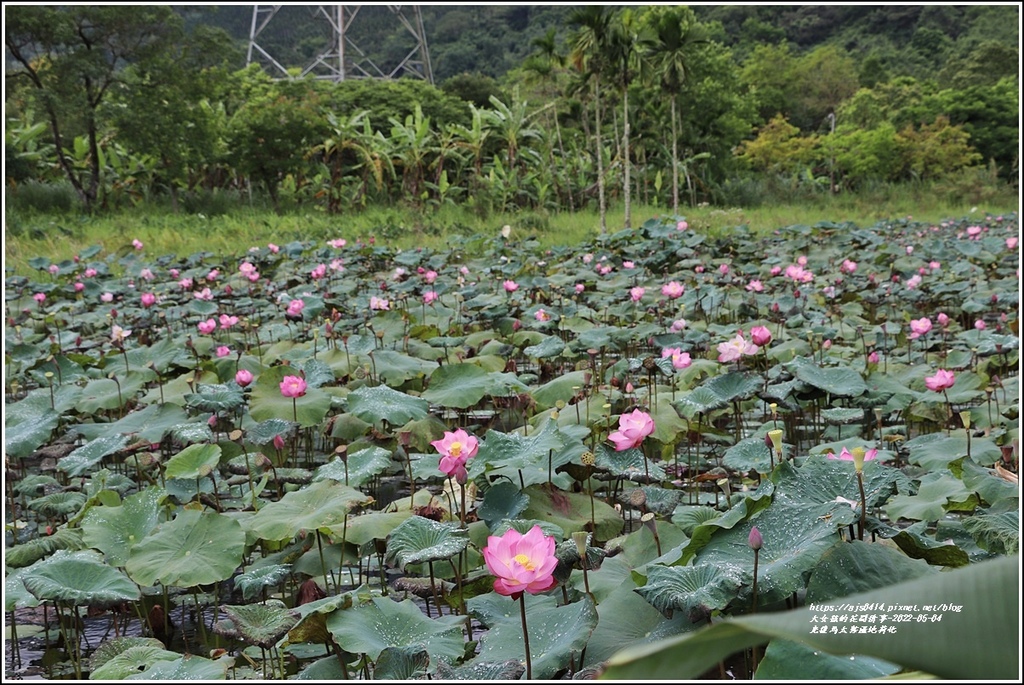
x=589 y=106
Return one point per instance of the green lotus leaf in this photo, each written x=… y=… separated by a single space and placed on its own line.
x=267 y=402
x=319 y=506
x=374 y=525
x=838 y=381
x=408 y=662
x=512 y=454
x=264 y=432
x=188 y=433
x=457 y=385
x=929 y=504
x=479 y=671
x=548 y=346
x=125 y=656
x=359 y=467
x=749 y=454
x=492 y=609
x=30 y=552
x=861 y=567
x=503 y=501
x=701 y=400
x=843 y=415
x=789 y=660
x=667 y=422
x=35 y=484
x=571 y=511
x=349 y=428
x=322 y=670
x=695 y=590
x=691 y=517
x=16 y=595
x=160 y=354
x=90 y=454
x=917 y=545
x=936 y=450
x=380 y=403
x=151 y=423
x=195 y=461
x=58 y=504
x=187 y=667
x=562 y=388
x=418 y=540
x=215 y=398
x=993 y=489
x=260 y=624
x=628 y=464
x=115 y=530
x=395 y=368
x=25 y=437
x=317 y=374
x=104 y=394
x=996 y=532
x=524 y=525
x=984 y=630
x=734 y=385
x=252 y=582
x=556 y=635
x=381 y=623
x=196 y=548
x=79 y=580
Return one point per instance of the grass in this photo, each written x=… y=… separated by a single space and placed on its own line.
x=60 y=236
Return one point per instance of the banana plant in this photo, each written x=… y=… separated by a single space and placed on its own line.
x=413 y=142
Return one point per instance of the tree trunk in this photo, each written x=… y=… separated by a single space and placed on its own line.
x=602 y=209
x=625 y=157
x=675 y=160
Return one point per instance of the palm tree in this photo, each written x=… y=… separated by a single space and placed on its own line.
x=676 y=35
x=588 y=57
x=628 y=41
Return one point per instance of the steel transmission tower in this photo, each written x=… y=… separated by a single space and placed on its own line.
x=343 y=58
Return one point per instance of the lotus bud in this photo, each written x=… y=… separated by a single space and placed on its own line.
x=754 y=539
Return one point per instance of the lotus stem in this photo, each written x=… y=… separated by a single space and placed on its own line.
x=526 y=636
x=863 y=506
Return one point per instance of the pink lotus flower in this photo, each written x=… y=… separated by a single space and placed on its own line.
x=521 y=563
x=1011 y=243
x=223 y=351
x=430 y=297
x=873 y=358
x=678 y=326
x=213 y=275
x=980 y=325
x=628 y=265
x=910 y=249
x=826 y=344
x=379 y=304
x=105 y=297
x=89 y=273
x=137 y=244
x=243 y=377
x=760 y=336
x=919 y=327
x=318 y=272
x=943 y=319
x=799 y=274
x=672 y=289
x=337 y=243
x=579 y=287
x=801 y=260
x=207 y=327
x=278 y=442
x=848 y=266
x=542 y=315
x=118 y=335
x=430 y=276
x=510 y=286
x=723 y=269
x=337 y=265
x=146 y=274
x=246 y=268
x=858 y=456
x=587 y=258
x=456 y=448
x=682 y=226
x=755 y=286
x=913 y=281
x=148 y=299
x=680 y=359
x=204 y=294
x=185 y=283
x=173 y=272
x=79 y=287
x=295 y=307
x=754 y=539
x=39 y=298
x=775 y=270
x=227 y=321
x=604 y=269
x=53 y=269
x=734 y=349
x=934 y=265
x=636 y=293
x=942 y=380
x=293 y=386
x=633 y=428
x=974 y=231
x=253 y=276
x=273 y=248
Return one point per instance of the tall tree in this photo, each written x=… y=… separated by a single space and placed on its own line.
x=676 y=35
x=588 y=56
x=72 y=56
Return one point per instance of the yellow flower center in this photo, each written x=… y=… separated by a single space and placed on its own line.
x=455 y=449
x=524 y=561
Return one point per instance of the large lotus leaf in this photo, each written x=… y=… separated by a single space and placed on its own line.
x=125 y=656
x=252 y=582
x=402 y=663
x=571 y=511
x=115 y=530
x=985 y=631
x=25 y=437
x=785 y=660
x=734 y=385
x=838 y=381
x=16 y=595
x=380 y=403
x=374 y=525
x=57 y=504
x=160 y=354
x=492 y=609
x=322 y=670
x=319 y=506
x=224 y=397
x=480 y=671
x=264 y=432
x=38 y=401
x=936 y=450
x=749 y=454
x=188 y=667
x=104 y=394
x=628 y=464
x=189 y=433
x=381 y=623
x=929 y=504
x=861 y=567
x=996 y=532
x=358 y=469
x=822 y=480
x=457 y=385
x=78 y=580
x=174 y=390
x=196 y=548
x=316 y=373
x=563 y=388
x=512 y=454
x=30 y=552
x=989 y=486
x=260 y=624
x=667 y=422
x=195 y=461
x=695 y=590
x=626 y=619
x=267 y=402
x=916 y=543
x=556 y=635
x=151 y=423
x=90 y=454
x=395 y=368
x=549 y=346
x=700 y=400
x=503 y=501
x=418 y=540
